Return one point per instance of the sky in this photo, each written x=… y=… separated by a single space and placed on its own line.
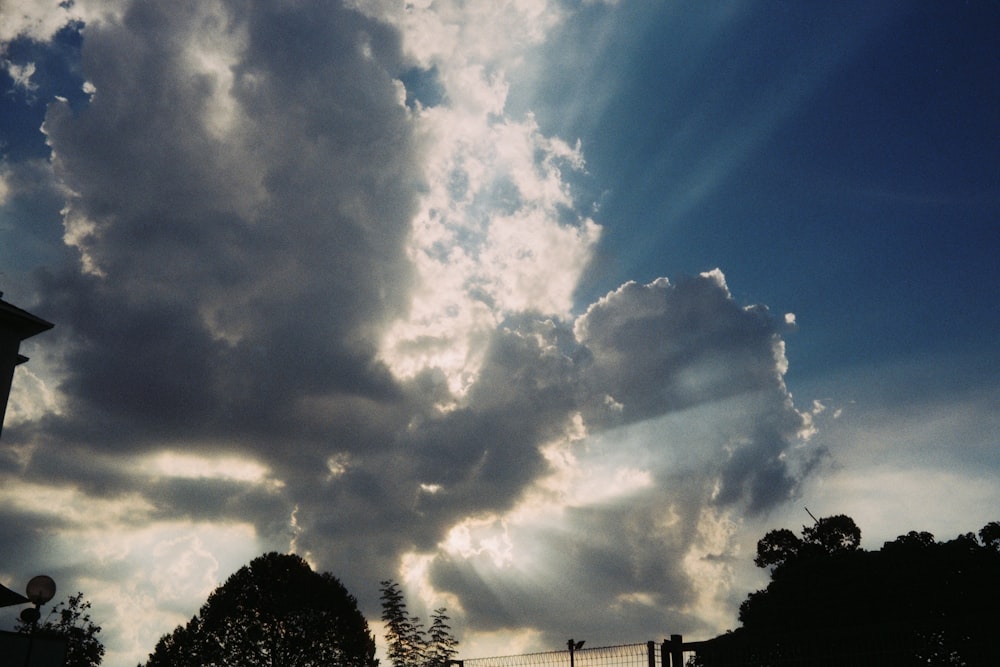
x=548 y=309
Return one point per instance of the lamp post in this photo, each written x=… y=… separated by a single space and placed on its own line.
x=573 y=647
x=39 y=590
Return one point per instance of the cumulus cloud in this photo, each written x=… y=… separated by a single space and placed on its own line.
x=303 y=312
x=675 y=420
x=35 y=19
x=497 y=231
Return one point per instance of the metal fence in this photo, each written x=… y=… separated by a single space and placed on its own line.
x=625 y=655
x=820 y=650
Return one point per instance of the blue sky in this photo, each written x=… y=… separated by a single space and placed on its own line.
x=547 y=309
x=825 y=156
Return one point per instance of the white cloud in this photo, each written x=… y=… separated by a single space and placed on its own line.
x=21 y=74
x=144 y=574
x=491 y=236
x=37 y=19
x=144 y=581
x=40 y=20
x=72 y=506
x=193 y=466
x=456 y=33
x=31 y=397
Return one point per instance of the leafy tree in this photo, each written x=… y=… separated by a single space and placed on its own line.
x=404 y=635
x=990 y=535
x=914 y=601
x=830 y=535
x=70 y=619
x=833 y=535
x=408 y=644
x=442 y=646
x=777 y=548
x=273 y=612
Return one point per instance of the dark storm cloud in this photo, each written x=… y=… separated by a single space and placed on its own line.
x=242 y=269
x=22 y=535
x=403 y=492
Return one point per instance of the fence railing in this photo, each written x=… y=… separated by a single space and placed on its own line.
x=832 y=650
x=625 y=655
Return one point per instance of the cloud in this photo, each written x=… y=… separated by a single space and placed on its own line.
x=663 y=345
x=213 y=228
x=34 y=19
x=639 y=494
x=21 y=75
x=300 y=313
x=238 y=190
x=498 y=230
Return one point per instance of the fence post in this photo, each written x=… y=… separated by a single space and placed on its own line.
x=676 y=651
x=651 y=653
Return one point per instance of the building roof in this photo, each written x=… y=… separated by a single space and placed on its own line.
x=21 y=322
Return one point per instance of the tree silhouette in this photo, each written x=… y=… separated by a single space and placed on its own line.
x=70 y=619
x=777 y=548
x=990 y=535
x=442 y=645
x=829 y=536
x=914 y=601
x=408 y=644
x=273 y=612
x=833 y=535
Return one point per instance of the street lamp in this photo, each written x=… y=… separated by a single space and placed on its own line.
x=573 y=647
x=39 y=590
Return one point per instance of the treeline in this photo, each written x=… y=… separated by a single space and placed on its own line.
x=914 y=601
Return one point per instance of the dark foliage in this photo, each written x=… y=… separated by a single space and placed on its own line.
x=408 y=644
x=71 y=620
x=990 y=535
x=830 y=535
x=273 y=612
x=441 y=646
x=914 y=601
